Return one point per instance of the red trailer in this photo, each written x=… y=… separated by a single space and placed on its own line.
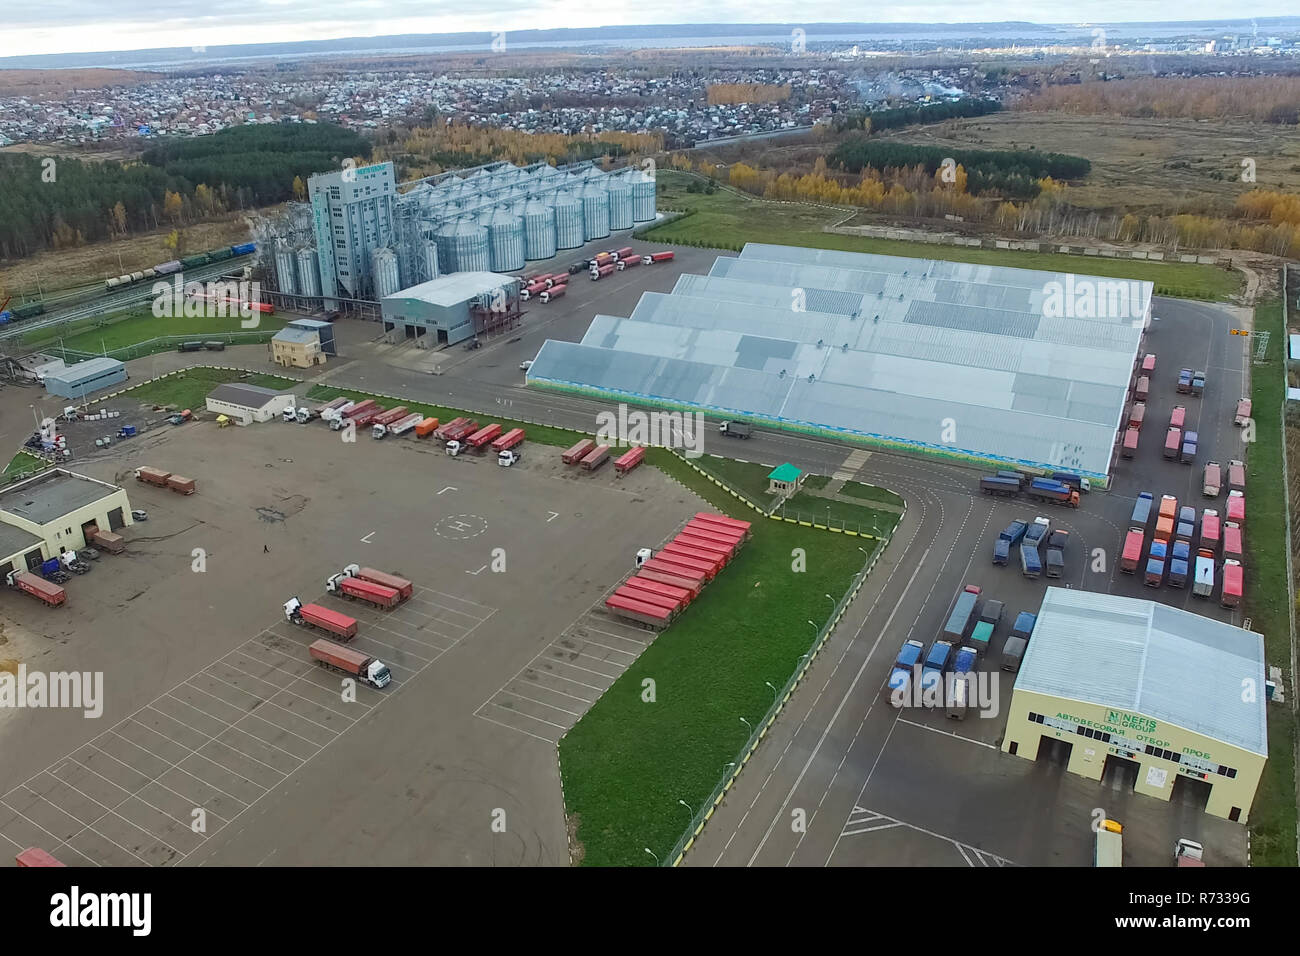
x=602 y=272
x=484 y=435
x=152 y=476
x=35 y=585
x=1233 y=583
x=1177 y=417
x=629 y=460
x=1243 y=413
x=1132 y=556
x=529 y=291
x=181 y=485
x=682 y=596
x=708 y=561
x=595 y=458
x=1232 y=541
x=554 y=292
x=1149 y=363
x=357 y=589
x=708 y=542
x=649 y=597
x=35 y=856
x=1173 y=441
x=627 y=263
x=624 y=253
x=361 y=408
x=454 y=432
x=509 y=440
x=1143 y=387
x=578 y=452
x=389 y=417
x=650 y=615
x=690 y=585
x=1137 y=414
x=440 y=432
x=558 y=279
x=722 y=532
x=1236 y=475
x=710 y=516
x=1237 y=508
x=664 y=565
x=403 y=587
x=1130 y=446
x=332 y=622
x=657 y=257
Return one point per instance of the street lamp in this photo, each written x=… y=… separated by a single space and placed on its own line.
x=775 y=692
x=747 y=724
x=687 y=806
x=652 y=853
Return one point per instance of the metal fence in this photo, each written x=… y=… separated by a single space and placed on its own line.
x=162 y=343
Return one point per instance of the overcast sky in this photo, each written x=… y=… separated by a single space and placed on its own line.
x=78 y=26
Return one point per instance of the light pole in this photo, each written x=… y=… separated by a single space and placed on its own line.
x=775 y=693
x=652 y=853
x=747 y=724
x=687 y=806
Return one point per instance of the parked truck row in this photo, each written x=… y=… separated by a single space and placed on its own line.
x=1061 y=488
x=1176 y=555
x=166 y=479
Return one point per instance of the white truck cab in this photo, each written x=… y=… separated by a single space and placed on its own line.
x=507 y=458
x=453 y=448
x=305 y=414
x=643 y=555
x=290 y=414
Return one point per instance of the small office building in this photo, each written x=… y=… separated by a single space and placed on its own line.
x=1168 y=699
x=52 y=512
x=297 y=348
x=246 y=404
x=85 y=378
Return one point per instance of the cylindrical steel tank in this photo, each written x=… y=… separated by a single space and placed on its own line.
x=429 y=259
x=539 y=229
x=620 y=202
x=286 y=271
x=595 y=212
x=569 y=231
x=643 y=196
x=308 y=272
x=384 y=275
x=505 y=239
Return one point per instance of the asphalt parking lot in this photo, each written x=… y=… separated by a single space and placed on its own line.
x=212 y=703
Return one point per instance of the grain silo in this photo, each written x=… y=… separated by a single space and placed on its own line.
x=620 y=202
x=308 y=271
x=569 y=231
x=467 y=249
x=429 y=259
x=505 y=239
x=286 y=272
x=643 y=196
x=384 y=273
x=539 y=229
x=595 y=211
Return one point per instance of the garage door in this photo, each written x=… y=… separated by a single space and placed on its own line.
x=115 y=519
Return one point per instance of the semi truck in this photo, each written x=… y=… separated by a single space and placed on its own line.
x=1198 y=383
x=1210 y=529
x=1210 y=484
x=509 y=440
x=903 y=672
x=1179 y=557
x=333 y=405
x=962 y=615
x=355 y=589
x=1137 y=414
x=1237 y=508
x=932 y=671
x=534 y=289
x=484 y=436
x=1184 y=381
x=313 y=615
x=1190 y=440
x=1142 y=510
x=578 y=452
x=1149 y=363
x=1186 y=523
x=997 y=485
x=1130 y=445
x=553 y=293
x=1203 y=586
x=1173 y=440
x=1232 y=541
x=1236 y=475
x=456 y=423
x=980 y=636
x=392 y=415
x=963 y=666
x=601 y=272
x=595 y=458
x=1024 y=626
x=627 y=263
x=735 y=430
x=1156 y=560
x=628 y=460
x=1178 y=416
x=1031 y=564
x=457 y=430
x=1048 y=489
x=405 y=425
x=1037 y=531
x=426 y=428
x=1233 y=583
x=152 y=476
x=404 y=588
x=657 y=257
x=1243 y=413
x=46 y=591
x=1141 y=390
x=345 y=660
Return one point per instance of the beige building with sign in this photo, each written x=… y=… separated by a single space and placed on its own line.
x=49 y=513
x=1174 y=700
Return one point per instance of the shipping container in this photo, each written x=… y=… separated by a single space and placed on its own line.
x=578 y=452
x=680 y=596
x=648 y=597
x=1236 y=476
x=595 y=458
x=1173 y=440
x=1237 y=508
x=35 y=856
x=708 y=565
x=690 y=585
x=1142 y=389
x=722 y=532
x=1233 y=583
x=648 y=614
x=509 y=440
x=730 y=522
x=484 y=436
x=663 y=565
x=1132 y=554
x=313 y=615
x=1130 y=446
x=47 y=591
x=426 y=428
x=181 y=485
x=1232 y=546
x=708 y=543
x=628 y=460
x=403 y=587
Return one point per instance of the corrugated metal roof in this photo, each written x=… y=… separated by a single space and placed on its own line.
x=90 y=368
x=1150 y=659
x=455 y=288
x=291 y=334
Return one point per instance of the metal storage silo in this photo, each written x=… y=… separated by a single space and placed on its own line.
x=505 y=239
x=308 y=271
x=383 y=272
x=643 y=196
x=429 y=259
x=539 y=229
x=620 y=202
x=595 y=212
x=286 y=272
x=469 y=247
x=569 y=231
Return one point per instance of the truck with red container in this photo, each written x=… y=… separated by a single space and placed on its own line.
x=484 y=436
x=1177 y=417
x=1211 y=483
x=1149 y=363
x=35 y=856
x=624 y=253
x=181 y=485
x=642 y=612
x=404 y=588
x=627 y=263
x=509 y=440
x=691 y=586
x=390 y=416
x=602 y=271
x=361 y=408
x=152 y=476
x=1130 y=446
x=322 y=618
x=1237 y=508
x=743 y=526
x=657 y=257
x=733 y=535
x=1132 y=554
x=440 y=433
x=595 y=458
x=535 y=289
x=1142 y=389
x=1233 y=583
x=628 y=460
x=578 y=452
x=713 y=545
x=1232 y=547
x=1243 y=413
x=457 y=430
x=560 y=278
x=1236 y=475
x=1210 y=529
x=554 y=292
x=664 y=565
x=703 y=562
x=1137 y=414
x=345 y=660
x=650 y=597
x=1173 y=442
x=352 y=588
x=47 y=591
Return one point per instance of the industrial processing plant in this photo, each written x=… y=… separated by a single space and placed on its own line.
x=950 y=358
x=366 y=240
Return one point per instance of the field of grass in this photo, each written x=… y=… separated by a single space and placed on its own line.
x=126 y=329
x=726 y=220
x=1273 y=818
x=855 y=489
x=627 y=762
x=188 y=389
x=22 y=464
x=838 y=514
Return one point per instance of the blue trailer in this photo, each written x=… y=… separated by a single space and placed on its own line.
x=1030 y=563
x=997 y=485
x=1142 y=511
x=1001 y=551
x=959 y=621
x=1024 y=626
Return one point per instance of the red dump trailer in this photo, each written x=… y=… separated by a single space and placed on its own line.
x=729 y=522
x=35 y=856
x=708 y=543
x=721 y=532
x=682 y=596
x=332 y=622
x=509 y=440
x=361 y=408
x=1232 y=541
x=391 y=416
x=629 y=460
x=690 y=585
x=651 y=615
x=403 y=587
x=35 y=585
x=649 y=597
x=708 y=561
x=359 y=589
x=665 y=565
x=657 y=257
x=152 y=476
x=595 y=458
x=578 y=452
x=484 y=435
x=440 y=432
x=602 y=272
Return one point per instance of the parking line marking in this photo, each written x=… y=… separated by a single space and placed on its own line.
x=170 y=768
x=59 y=842
x=117 y=786
x=518 y=730
x=177 y=720
x=515 y=693
x=947 y=733
x=529 y=716
x=108 y=811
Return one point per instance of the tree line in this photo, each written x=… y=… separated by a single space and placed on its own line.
x=1263 y=99
x=60 y=203
x=873 y=121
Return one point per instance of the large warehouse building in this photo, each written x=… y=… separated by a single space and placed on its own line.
x=1174 y=698
x=1000 y=365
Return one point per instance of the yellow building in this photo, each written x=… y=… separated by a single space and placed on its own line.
x=50 y=512
x=1173 y=697
x=297 y=348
